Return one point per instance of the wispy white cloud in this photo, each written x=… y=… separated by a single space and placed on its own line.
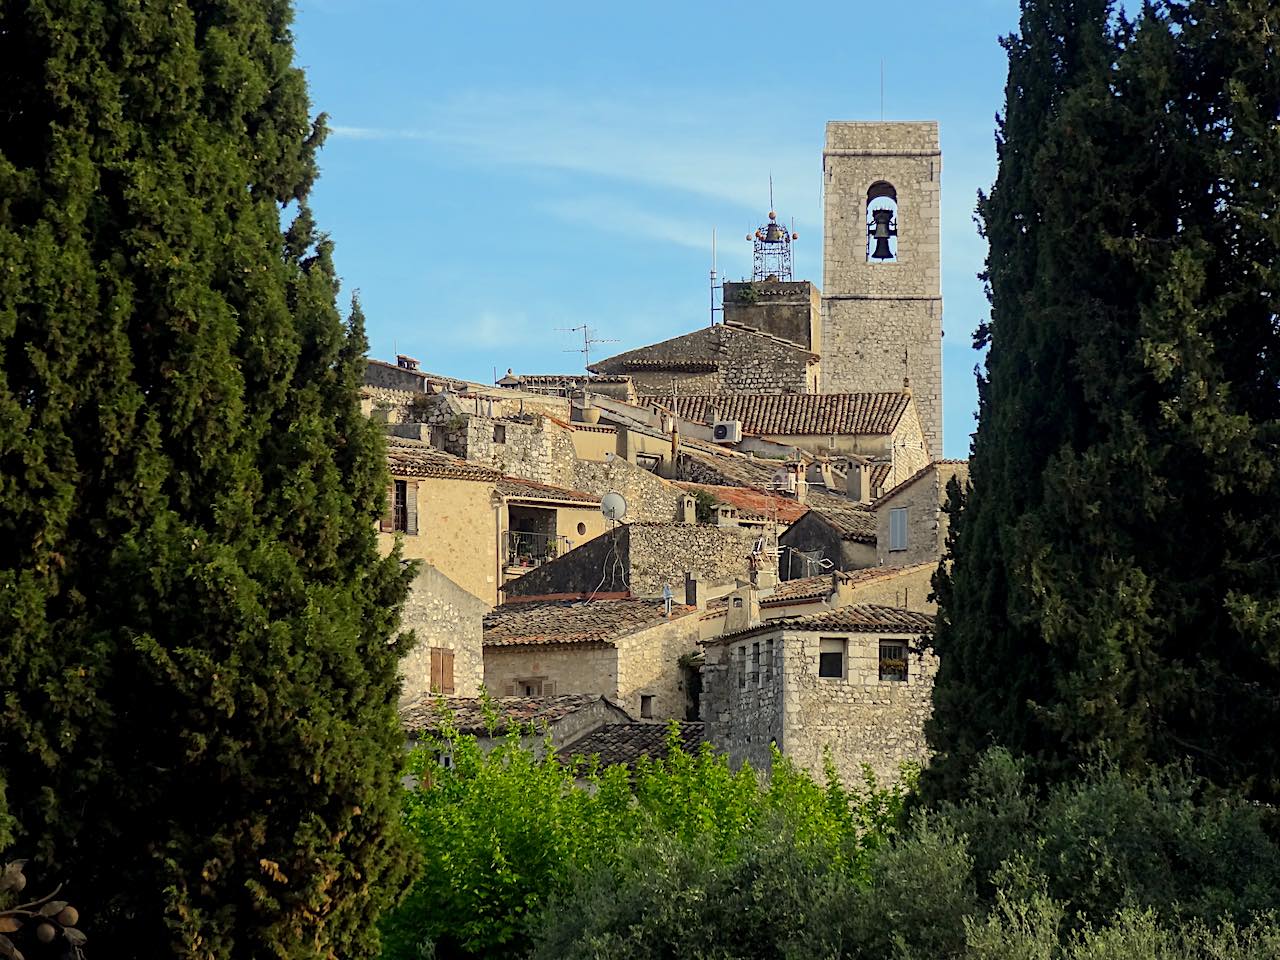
x=648 y=140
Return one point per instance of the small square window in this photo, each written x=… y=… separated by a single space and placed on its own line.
x=499 y=433
x=646 y=706
x=898 y=528
x=737 y=602
x=831 y=658
x=893 y=660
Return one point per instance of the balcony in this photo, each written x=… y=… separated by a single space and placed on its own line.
x=525 y=550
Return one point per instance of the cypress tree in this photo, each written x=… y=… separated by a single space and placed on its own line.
x=1111 y=593
x=197 y=727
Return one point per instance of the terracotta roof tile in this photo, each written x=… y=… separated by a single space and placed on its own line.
x=414 y=458
x=426 y=713
x=791 y=414
x=518 y=488
x=803 y=588
x=752 y=504
x=855 y=618
x=626 y=743
x=854 y=522
x=543 y=622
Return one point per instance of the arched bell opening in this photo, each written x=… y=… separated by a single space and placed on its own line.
x=882 y=223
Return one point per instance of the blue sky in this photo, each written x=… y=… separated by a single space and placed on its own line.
x=498 y=172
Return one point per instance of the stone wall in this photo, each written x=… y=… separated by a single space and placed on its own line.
x=745 y=361
x=598 y=566
x=878 y=314
x=649 y=497
x=379 y=373
x=791 y=310
x=813 y=535
x=648 y=665
x=442 y=614
x=908 y=588
x=926 y=523
x=859 y=718
x=572 y=668
x=457 y=534
x=662 y=553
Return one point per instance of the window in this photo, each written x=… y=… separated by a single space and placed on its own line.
x=882 y=223
x=441 y=670
x=755 y=664
x=831 y=658
x=768 y=659
x=533 y=687
x=445 y=758
x=402 y=508
x=898 y=528
x=893 y=660
x=646 y=706
x=499 y=433
x=737 y=603
x=582 y=529
x=742 y=666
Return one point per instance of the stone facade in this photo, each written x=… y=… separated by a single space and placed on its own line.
x=817 y=538
x=639 y=559
x=921 y=497
x=856 y=716
x=649 y=498
x=882 y=321
x=791 y=310
x=457 y=532
x=714 y=360
x=392 y=376
x=643 y=663
x=442 y=615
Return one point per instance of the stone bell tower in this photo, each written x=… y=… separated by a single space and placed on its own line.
x=882 y=274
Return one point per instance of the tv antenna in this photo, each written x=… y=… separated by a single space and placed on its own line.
x=588 y=342
x=714 y=285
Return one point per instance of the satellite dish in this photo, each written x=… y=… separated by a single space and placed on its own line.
x=613 y=506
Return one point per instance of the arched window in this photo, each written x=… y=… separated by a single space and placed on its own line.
x=882 y=223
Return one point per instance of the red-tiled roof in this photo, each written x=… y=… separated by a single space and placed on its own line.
x=414 y=458
x=517 y=488
x=804 y=588
x=752 y=504
x=855 y=618
x=792 y=414
x=572 y=621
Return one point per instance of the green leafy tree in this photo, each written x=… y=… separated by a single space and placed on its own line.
x=196 y=686
x=1113 y=591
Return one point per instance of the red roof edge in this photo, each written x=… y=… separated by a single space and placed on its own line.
x=619 y=595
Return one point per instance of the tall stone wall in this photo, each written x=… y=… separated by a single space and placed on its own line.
x=858 y=718
x=598 y=566
x=788 y=309
x=442 y=614
x=649 y=665
x=572 y=668
x=649 y=497
x=662 y=553
x=926 y=523
x=882 y=321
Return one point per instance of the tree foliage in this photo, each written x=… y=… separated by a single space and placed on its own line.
x=1114 y=590
x=503 y=834
x=196 y=688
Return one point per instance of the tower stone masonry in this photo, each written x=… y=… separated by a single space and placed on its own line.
x=882 y=318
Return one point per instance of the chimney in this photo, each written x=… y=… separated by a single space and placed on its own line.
x=726 y=516
x=688 y=509
x=764 y=576
x=695 y=592
x=857 y=481
x=744 y=609
x=406 y=363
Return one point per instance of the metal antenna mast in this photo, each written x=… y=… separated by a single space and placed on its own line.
x=588 y=342
x=714 y=287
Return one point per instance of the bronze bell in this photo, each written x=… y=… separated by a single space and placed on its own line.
x=882 y=228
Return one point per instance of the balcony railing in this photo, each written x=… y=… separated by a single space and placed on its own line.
x=526 y=549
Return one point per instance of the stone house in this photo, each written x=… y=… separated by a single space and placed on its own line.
x=854 y=682
x=542 y=522
x=447 y=657
x=640 y=559
x=628 y=650
x=725 y=358
x=877 y=426
x=910 y=524
x=836 y=530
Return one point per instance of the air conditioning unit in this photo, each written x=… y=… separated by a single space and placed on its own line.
x=727 y=431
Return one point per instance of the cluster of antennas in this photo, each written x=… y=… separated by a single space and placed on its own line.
x=772 y=244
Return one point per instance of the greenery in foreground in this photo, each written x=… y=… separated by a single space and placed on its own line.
x=688 y=858
x=197 y=722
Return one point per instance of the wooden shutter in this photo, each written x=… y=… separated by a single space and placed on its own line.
x=437 y=670
x=446 y=671
x=548 y=688
x=411 y=508
x=388 y=522
x=509 y=690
